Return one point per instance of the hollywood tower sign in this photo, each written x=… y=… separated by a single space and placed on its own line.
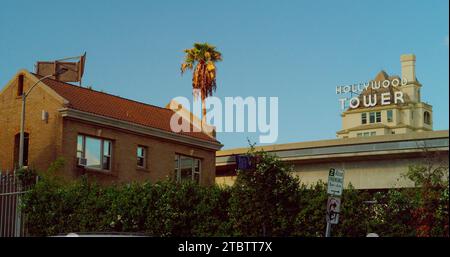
x=371 y=98
x=385 y=105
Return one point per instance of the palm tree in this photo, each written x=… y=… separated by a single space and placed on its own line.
x=204 y=57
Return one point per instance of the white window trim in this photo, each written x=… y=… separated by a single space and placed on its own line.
x=102 y=153
x=144 y=156
x=364 y=118
x=178 y=168
x=391 y=116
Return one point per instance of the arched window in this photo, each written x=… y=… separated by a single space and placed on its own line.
x=427 y=118
x=20 y=85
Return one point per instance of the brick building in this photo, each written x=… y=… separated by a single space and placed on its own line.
x=104 y=136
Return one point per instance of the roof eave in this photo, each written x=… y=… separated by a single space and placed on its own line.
x=137 y=128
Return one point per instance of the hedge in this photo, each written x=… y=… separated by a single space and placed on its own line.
x=268 y=201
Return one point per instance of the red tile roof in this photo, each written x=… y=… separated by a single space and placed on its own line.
x=99 y=103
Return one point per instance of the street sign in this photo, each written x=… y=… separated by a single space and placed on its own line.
x=333 y=208
x=335 y=182
x=245 y=162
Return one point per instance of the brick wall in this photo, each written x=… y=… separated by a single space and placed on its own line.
x=160 y=154
x=44 y=136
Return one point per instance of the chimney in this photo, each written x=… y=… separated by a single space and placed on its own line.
x=408 y=62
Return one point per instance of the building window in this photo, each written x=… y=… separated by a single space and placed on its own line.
x=94 y=153
x=372 y=117
x=106 y=160
x=20 y=85
x=187 y=168
x=375 y=117
x=141 y=156
x=363 y=118
x=366 y=134
x=427 y=118
x=390 y=116
x=378 y=116
x=80 y=147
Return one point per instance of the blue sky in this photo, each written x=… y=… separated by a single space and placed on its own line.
x=298 y=51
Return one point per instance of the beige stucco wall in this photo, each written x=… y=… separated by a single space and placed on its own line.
x=375 y=174
x=364 y=169
x=369 y=174
x=405 y=119
x=225 y=180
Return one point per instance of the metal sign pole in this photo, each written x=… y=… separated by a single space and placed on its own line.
x=334 y=192
x=328 y=230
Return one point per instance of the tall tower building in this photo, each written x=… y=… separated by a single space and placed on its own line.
x=389 y=105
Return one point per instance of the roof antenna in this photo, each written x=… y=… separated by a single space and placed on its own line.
x=75 y=69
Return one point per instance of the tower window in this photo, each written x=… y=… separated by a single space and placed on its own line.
x=427 y=118
x=375 y=117
x=363 y=118
x=372 y=117
x=390 y=116
x=378 y=116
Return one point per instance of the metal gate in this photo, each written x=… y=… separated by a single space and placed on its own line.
x=12 y=187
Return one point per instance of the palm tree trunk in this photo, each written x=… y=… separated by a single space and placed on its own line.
x=203 y=112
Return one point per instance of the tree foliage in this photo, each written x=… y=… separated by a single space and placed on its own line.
x=202 y=59
x=264 y=201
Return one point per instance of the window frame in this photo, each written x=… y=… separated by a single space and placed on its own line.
x=143 y=157
x=106 y=155
x=372 y=117
x=102 y=152
x=390 y=116
x=193 y=171
x=364 y=118
x=427 y=117
x=377 y=117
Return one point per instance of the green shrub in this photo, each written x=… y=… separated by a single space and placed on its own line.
x=264 y=201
